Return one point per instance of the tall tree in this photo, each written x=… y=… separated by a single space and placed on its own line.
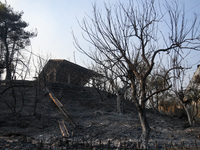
x=131 y=37
x=1 y=61
x=13 y=36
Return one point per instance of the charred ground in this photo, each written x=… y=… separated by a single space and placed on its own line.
x=96 y=118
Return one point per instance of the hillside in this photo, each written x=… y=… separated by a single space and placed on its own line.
x=95 y=119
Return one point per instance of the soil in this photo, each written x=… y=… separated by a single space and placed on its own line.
x=95 y=116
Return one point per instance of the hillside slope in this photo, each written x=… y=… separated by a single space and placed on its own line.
x=95 y=118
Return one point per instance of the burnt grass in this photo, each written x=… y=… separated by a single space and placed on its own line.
x=96 y=118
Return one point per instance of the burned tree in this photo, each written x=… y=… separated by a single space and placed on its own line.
x=131 y=38
x=180 y=93
x=13 y=37
x=111 y=81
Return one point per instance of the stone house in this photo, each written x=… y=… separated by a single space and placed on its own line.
x=175 y=109
x=195 y=81
x=63 y=71
x=195 y=93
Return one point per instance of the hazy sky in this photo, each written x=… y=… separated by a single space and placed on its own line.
x=55 y=20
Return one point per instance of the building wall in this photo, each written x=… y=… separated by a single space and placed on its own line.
x=63 y=71
x=176 y=110
x=195 y=81
x=171 y=108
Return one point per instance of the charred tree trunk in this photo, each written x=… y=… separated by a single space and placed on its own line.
x=8 y=68
x=36 y=97
x=181 y=95
x=142 y=115
x=145 y=128
x=7 y=56
x=119 y=103
x=188 y=114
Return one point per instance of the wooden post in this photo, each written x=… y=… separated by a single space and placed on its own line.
x=108 y=146
x=165 y=147
x=182 y=144
x=156 y=145
x=138 y=145
x=171 y=145
x=195 y=143
x=91 y=144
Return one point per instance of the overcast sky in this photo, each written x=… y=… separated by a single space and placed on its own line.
x=55 y=20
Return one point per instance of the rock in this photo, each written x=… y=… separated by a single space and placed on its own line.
x=35 y=141
x=12 y=140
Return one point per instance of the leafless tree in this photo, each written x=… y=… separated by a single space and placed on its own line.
x=17 y=88
x=113 y=82
x=155 y=83
x=108 y=80
x=131 y=36
x=188 y=98
x=39 y=64
x=181 y=93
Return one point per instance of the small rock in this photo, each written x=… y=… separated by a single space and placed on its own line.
x=28 y=139
x=34 y=142
x=12 y=140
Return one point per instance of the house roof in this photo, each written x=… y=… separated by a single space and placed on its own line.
x=76 y=72
x=70 y=65
x=195 y=81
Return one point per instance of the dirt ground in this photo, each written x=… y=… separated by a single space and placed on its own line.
x=96 y=119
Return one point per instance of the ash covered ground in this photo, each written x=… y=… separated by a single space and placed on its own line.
x=96 y=119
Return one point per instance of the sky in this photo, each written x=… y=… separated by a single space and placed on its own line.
x=55 y=21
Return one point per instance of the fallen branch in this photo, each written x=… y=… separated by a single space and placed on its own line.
x=60 y=106
x=63 y=128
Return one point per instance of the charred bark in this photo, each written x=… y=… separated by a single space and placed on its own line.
x=145 y=128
